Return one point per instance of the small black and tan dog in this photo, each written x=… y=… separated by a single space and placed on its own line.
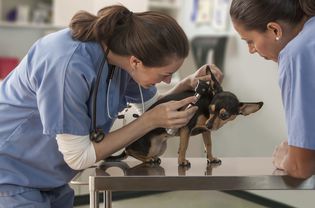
x=215 y=108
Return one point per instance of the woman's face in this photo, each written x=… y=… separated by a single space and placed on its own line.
x=149 y=76
x=263 y=43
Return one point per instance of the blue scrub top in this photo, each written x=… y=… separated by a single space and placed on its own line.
x=297 y=83
x=49 y=93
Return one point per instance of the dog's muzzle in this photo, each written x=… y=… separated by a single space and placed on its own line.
x=210 y=122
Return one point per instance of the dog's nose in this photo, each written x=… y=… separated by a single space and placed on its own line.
x=209 y=125
x=210 y=122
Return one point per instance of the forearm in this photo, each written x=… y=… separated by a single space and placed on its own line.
x=185 y=84
x=122 y=137
x=79 y=152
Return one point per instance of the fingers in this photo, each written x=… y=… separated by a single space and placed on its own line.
x=216 y=72
x=181 y=118
x=205 y=78
x=171 y=114
x=275 y=160
x=175 y=105
x=279 y=154
x=201 y=73
x=178 y=118
x=187 y=113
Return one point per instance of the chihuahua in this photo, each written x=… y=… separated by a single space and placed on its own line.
x=215 y=108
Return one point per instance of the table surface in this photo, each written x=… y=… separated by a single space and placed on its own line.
x=245 y=173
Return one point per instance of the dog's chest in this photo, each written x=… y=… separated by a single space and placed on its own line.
x=158 y=144
x=200 y=125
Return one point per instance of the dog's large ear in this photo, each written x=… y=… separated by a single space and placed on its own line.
x=216 y=87
x=248 y=108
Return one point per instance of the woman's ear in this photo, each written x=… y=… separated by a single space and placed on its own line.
x=275 y=29
x=134 y=62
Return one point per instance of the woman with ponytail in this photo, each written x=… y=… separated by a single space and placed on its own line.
x=283 y=31
x=51 y=123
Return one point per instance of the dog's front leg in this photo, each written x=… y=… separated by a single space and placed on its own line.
x=183 y=144
x=208 y=146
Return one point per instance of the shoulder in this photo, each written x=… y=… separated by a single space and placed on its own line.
x=298 y=55
x=60 y=46
x=58 y=56
x=303 y=45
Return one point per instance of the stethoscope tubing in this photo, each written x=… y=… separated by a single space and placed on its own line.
x=95 y=91
x=95 y=131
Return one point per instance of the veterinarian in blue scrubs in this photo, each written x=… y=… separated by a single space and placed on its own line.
x=283 y=31
x=45 y=103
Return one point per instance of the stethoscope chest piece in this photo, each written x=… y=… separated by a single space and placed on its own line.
x=97 y=135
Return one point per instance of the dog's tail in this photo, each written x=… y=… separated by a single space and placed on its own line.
x=117 y=158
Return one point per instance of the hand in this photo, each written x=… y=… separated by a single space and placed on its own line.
x=166 y=115
x=200 y=74
x=279 y=154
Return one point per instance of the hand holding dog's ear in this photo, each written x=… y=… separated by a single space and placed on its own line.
x=217 y=73
x=169 y=115
x=201 y=74
x=190 y=82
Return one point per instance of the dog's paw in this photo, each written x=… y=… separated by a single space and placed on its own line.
x=214 y=161
x=184 y=163
x=154 y=161
x=157 y=161
x=182 y=170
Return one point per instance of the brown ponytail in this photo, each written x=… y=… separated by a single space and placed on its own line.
x=308 y=7
x=88 y=27
x=153 y=37
x=82 y=26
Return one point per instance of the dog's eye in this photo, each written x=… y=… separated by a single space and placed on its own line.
x=225 y=115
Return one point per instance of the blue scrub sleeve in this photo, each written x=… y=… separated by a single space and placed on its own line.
x=63 y=97
x=299 y=104
x=296 y=79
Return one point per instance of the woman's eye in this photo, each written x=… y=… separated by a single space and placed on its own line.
x=249 y=42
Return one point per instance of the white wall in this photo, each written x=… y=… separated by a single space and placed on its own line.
x=16 y=42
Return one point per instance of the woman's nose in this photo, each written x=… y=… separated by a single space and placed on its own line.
x=168 y=79
x=252 y=49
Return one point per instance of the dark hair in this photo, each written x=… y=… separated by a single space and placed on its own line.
x=256 y=14
x=308 y=7
x=153 y=37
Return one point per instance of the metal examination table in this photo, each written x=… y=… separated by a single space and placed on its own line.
x=232 y=174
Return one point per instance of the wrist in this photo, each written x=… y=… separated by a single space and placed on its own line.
x=147 y=122
x=186 y=84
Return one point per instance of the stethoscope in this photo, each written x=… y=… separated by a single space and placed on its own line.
x=97 y=134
